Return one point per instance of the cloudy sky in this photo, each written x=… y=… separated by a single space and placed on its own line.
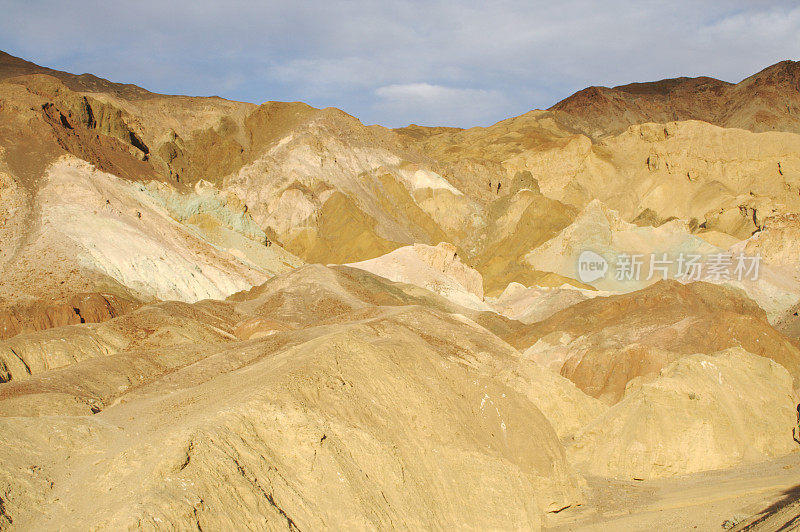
x=393 y=63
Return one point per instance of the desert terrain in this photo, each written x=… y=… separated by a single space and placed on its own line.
x=217 y=315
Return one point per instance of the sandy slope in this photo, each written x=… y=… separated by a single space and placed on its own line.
x=394 y=416
x=702 y=501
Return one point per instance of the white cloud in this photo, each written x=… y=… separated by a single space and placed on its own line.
x=425 y=93
x=431 y=104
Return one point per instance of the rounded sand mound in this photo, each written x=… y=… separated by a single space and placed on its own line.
x=700 y=413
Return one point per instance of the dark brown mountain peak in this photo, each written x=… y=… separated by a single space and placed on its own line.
x=11 y=66
x=668 y=86
x=766 y=101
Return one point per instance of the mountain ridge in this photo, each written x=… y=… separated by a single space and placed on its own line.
x=11 y=66
x=750 y=104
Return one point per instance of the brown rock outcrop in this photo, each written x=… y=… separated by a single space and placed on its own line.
x=766 y=101
x=81 y=308
x=603 y=343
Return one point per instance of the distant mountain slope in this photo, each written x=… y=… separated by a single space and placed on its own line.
x=11 y=66
x=766 y=101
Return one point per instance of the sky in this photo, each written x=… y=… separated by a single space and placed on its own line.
x=394 y=63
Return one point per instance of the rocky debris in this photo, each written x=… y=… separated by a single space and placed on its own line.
x=789 y=323
x=741 y=218
x=98 y=133
x=648 y=218
x=701 y=412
